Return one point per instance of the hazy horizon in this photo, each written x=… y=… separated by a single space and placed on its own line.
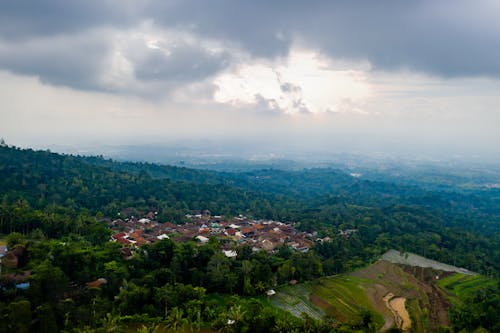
x=408 y=80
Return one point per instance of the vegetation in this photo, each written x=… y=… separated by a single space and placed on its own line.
x=476 y=300
x=54 y=207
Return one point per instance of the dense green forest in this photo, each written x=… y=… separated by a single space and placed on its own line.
x=54 y=209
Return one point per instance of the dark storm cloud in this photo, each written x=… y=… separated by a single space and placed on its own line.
x=444 y=38
x=21 y=19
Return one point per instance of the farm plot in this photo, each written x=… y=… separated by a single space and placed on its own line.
x=296 y=300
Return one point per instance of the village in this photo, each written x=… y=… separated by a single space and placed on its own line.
x=267 y=235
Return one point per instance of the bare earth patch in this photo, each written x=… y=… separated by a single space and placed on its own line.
x=397 y=305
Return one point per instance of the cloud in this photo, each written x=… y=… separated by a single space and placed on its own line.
x=308 y=73
x=90 y=44
x=445 y=38
x=60 y=60
x=302 y=82
x=25 y=19
x=143 y=60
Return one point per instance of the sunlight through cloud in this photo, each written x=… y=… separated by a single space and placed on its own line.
x=303 y=82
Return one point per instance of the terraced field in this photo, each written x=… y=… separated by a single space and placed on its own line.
x=295 y=299
x=425 y=291
x=343 y=297
x=462 y=286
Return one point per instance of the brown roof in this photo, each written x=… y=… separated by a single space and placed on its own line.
x=97 y=283
x=136 y=234
x=169 y=225
x=119 y=235
x=246 y=230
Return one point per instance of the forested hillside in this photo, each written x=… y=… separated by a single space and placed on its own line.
x=475 y=209
x=55 y=212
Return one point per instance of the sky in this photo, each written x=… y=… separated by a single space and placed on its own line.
x=397 y=77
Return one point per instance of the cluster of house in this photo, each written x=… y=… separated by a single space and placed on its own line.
x=265 y=235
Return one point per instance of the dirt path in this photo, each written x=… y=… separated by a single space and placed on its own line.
x=398 y=309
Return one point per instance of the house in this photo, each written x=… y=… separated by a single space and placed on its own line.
x=268 y=245
x=247 y=231
x=123 y=241
x=151 y=215
x=230 y=253
x=15 y=257
x=97 y=283
x=258 y=227
x=202 y=239
x=119 y=235
x=347 y=233
x=10 y=260
x=121 y=238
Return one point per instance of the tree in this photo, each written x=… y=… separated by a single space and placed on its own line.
x=20 y=316
x=46 y=319
x=220 y=276
x=246 y=269
x=48 y=284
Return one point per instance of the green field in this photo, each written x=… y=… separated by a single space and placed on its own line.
x=345 y=295
x=462 y=286
x=295 y=299
x=342 y=298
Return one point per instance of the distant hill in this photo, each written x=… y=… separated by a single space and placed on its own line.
x=477 y=210
x=450 y=227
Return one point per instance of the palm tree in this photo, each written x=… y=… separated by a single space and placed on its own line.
x=176 y=319
x=111 y=324
x=149 y=329
x=246 y=269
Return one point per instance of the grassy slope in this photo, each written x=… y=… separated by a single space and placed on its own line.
x=341 y=297
x=345 y=297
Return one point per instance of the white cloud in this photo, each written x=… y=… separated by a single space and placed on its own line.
x=303 y=81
